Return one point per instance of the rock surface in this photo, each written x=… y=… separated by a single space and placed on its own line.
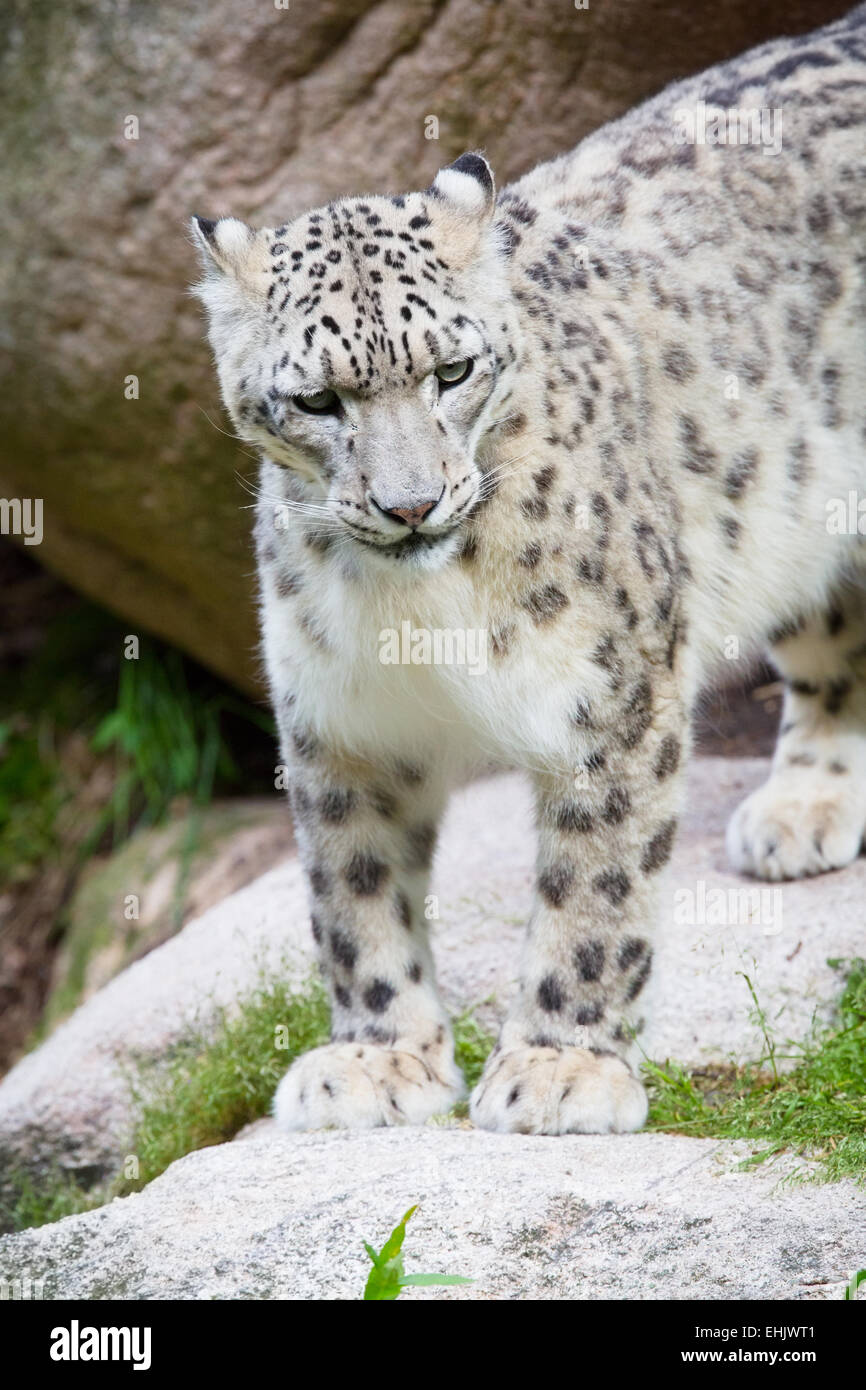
x=128 y=902
x=645 y=1216
x=261 y=111
x=67 y=1103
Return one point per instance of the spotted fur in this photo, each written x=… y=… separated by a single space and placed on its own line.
x=598 y=499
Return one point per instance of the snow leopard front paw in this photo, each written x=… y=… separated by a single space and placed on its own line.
x=801 y=822
x=362 y=1086
x=545 y=1090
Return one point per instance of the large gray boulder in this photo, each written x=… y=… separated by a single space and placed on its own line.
x=642 y=1216
x=262 y=111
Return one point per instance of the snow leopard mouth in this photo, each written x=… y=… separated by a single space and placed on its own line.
x=415 y=543
x=415 y=547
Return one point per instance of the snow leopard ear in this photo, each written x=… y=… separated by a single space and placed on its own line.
x=467 y=186
x=229 y=246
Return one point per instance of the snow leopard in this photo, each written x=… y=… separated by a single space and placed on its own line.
x=610 y=419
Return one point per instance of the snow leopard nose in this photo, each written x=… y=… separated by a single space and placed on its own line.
x=411 y=516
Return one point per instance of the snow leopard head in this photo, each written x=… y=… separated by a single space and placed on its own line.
x=369 y=346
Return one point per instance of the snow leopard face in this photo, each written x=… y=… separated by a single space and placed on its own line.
x=368 y=347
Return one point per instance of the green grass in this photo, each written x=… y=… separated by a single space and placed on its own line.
x=387 y=1278
x=217 y=1084
x=214 y=1084
x=27 y=1205
x=167 y=736
x=165 y=727
x=93 y=746
x=817 y=1109
x=40 y=708
x=472 y=1047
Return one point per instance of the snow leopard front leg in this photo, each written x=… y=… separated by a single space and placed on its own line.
x=566 y=1058
x=366 y=833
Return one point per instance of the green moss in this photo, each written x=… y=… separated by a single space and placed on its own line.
x=79 y=950
x=100 y=940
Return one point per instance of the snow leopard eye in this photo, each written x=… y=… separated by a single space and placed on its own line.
x=452 y=373
x=320 y=403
